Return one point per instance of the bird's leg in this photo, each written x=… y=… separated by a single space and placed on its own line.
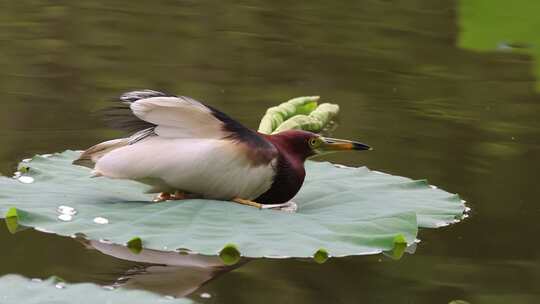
x=163 y=196
x=178 y=195
x=247 y=202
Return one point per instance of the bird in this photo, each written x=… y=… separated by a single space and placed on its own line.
x=183 y=148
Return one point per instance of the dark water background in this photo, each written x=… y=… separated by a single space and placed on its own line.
x=433 y=106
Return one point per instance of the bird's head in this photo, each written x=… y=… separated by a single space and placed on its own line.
x=305 y=144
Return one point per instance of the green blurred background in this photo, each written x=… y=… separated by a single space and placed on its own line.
x=444 y=90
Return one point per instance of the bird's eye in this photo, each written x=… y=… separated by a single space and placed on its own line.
x=313 y=142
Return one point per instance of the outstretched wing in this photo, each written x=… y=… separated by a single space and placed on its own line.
x=168 y=115
x=152 y=113
x=172 y=116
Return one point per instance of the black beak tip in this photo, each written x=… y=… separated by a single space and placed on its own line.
x=361 y=146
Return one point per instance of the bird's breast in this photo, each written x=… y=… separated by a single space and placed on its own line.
x=288 y=179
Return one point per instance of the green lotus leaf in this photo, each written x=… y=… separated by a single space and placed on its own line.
x=346 y=211
x=17 y=289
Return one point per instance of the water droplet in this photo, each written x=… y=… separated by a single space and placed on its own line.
x=433 y=186
x=205 y=295
x=26 y=179
x=60 y=285
x=36 y=280
x=101 y=220
x=65 y=217
x=66 y=210
x=108 y=287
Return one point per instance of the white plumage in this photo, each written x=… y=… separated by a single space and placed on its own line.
x=186 y=150
x=209 y=167
x=178 y=117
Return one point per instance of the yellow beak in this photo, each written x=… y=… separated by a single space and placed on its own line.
x=333 y=144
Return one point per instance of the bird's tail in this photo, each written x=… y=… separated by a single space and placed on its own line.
x=89 y=157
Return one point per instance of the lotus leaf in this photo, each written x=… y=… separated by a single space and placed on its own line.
x=16 y=289
x=341 y=211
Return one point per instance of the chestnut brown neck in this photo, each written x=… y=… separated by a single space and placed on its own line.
x=290 y=173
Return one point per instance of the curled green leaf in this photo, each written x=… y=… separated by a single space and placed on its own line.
x=275 y=116
x=315 y=122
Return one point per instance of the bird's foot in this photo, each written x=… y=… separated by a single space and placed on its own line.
x=163 y=196
x=178 y=195
x=166 y=196
x=247 y=202
x=289 y=206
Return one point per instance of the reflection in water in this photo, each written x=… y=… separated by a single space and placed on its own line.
x=167 y=280
x=177 y=274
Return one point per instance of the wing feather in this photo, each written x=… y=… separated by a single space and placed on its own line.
x=179 y=117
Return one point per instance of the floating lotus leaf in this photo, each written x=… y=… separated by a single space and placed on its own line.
x=16 y=289
x=341 y=211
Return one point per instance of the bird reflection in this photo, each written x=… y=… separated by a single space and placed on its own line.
x=176 y=274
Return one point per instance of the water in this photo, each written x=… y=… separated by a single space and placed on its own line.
x=426 y=83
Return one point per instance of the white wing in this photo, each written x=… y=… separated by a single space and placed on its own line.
x=192 y=151
x=179 y=117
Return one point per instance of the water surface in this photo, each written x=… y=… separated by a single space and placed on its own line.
x=418 y=80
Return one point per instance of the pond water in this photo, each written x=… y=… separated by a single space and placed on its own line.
x=444 y=90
